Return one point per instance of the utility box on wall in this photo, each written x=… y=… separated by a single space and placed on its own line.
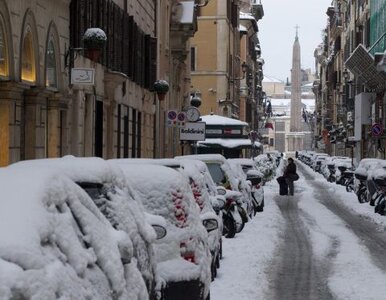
x=363 y=102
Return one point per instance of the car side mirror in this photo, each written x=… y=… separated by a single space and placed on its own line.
x=221 y=190
x=254 y=180
x=160 y=231
x=210 y=224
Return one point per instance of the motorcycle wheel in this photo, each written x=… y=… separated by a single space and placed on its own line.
x=362 y=197
x=380 y=207
x=349 y=187
x=229 y=227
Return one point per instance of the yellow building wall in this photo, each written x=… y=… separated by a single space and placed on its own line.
x=4 y=134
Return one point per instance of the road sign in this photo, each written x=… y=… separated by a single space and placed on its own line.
x=377 y=129
x=193 y=131
x=175 y=118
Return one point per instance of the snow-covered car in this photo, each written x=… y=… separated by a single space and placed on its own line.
x=105 y=183
x=266 y=165
x=219 y=169
x=252 y=174
x=317 y=162
x=196 y=173
x=183 y=255
x=56 y=244
x=203 y=188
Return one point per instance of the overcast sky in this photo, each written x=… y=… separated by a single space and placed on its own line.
x=277 y=33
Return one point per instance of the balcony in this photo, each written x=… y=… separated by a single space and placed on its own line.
x=257 y=9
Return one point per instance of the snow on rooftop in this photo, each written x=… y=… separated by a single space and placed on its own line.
x=242 y=28
x=246 y=16
x=268 y=79
x=220 y=120
x=228 y=143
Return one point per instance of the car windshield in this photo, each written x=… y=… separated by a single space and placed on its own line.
x=216 y=172
x=99 y=194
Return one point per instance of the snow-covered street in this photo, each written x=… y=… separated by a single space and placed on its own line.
x=319 y=244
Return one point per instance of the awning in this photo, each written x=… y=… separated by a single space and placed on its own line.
x=361 y=64
x=228 y=143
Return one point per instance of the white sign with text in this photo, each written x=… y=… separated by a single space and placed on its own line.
x=193 y=131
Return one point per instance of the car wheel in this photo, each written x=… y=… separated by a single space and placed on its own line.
x=208 y=297
x=213 y=270
x=218 y=261
x=220 y=252
x=260 y=208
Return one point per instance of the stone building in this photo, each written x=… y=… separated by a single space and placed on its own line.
x=45 y=113
x=351 y=85
x=33 y=83
x=224 y=59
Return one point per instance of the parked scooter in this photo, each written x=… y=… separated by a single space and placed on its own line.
x=331 y=176
x=348 y=176
x=233 y=222
x=361 y=187
x=256 y=191
x=380 y=195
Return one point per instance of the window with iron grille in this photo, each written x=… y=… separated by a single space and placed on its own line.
x=128 y=50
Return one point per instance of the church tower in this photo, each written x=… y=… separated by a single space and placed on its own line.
x=296 y=93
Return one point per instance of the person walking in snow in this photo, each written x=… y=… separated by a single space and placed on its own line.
x=290 y=175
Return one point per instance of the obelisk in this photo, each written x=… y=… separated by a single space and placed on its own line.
x=296 y=93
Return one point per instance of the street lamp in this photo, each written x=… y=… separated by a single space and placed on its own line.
x=244 y=69
x=161 y=87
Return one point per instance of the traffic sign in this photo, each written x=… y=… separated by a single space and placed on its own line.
x=377 y=129
x=175 y=118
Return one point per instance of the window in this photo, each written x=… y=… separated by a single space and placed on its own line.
x=28 y=58
x=51 y=78
x=3 y=52
x=193 y=58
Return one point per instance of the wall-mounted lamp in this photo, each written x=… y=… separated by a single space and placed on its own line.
x=195 y=99
x=244 y=69
x=94 y=40
x=346 y=75
x=202 y=4
x=161 y=87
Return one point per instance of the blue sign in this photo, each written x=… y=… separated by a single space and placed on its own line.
x=377 y=129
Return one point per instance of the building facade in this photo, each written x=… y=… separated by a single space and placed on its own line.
x=351 y=82
x=226 y=71
x=48 y=109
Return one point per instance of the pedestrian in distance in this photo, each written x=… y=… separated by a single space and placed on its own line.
x=290 y=175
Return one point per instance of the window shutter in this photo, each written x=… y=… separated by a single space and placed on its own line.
x=153 y=62
x=125 y=44
x=131 y=49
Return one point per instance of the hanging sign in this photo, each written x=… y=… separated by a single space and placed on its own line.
x=82 y=76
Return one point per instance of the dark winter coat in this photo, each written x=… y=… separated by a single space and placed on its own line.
x=290 y=169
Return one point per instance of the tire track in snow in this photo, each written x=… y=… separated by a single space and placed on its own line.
x=366 y=230
x=298 y=274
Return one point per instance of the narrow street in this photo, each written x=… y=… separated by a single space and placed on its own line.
x=302 y=273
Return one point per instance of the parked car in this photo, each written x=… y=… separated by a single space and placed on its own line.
x=317 y=161
x=56 y=244
x=223 y=175
x=267 y=166
x=106 y=186
x=183 y=255
x=197 y=175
